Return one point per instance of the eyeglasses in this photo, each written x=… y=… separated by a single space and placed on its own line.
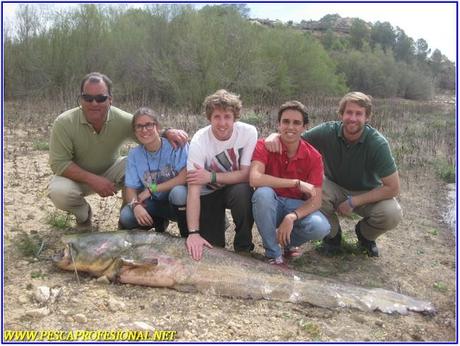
x=148 y=126
x=91 y=98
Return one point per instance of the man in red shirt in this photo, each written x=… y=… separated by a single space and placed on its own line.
x=288 y=196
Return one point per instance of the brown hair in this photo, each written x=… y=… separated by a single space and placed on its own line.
x=359 y=98
x=222 y=99
x=295 y=106
x=148 y=112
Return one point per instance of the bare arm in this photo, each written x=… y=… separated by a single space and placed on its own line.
x=166 y=186
x=257 y=178
x=273 y=143
x=388 y=189
x=202 y=176
x=195 y=242
x=177 y=138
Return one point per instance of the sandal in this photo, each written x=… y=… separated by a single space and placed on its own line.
x=293 y=252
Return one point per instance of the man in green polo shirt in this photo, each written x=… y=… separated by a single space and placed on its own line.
x=85 y=147
x=361 y=174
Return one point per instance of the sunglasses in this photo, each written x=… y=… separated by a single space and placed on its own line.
x=148 y=126
x=91 y=98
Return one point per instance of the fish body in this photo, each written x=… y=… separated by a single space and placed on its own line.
x=159 y=260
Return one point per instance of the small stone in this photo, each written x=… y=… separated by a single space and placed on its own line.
x=30 y=216
x=103 y=280
x=115 y=305
x=358 y=319
x=41 y=312
x=42 y=294
x=54 y=294
x=379 y=323
x=80 y=318
x=69 y=319
x=201 y=315
x=142 y=326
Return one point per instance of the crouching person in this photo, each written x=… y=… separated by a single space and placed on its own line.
x=217 y=177
x=155 y=178
x=288 y=194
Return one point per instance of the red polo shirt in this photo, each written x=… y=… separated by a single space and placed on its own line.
x=306 y=165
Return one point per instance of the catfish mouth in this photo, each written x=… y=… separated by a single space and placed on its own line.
x=63 y=258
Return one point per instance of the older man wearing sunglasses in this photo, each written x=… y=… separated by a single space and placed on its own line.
x=85 y=149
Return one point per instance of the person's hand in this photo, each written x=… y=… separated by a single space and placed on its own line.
x=307 y=188
x=273 y=143
x=285 y=229
x=142 y=216
x=177 y=138
x=102 y=186
x=199 y=176
x=143 y=195
x=345 y=209
x=195 y=244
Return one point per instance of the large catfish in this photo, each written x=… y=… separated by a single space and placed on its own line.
x=158 y=260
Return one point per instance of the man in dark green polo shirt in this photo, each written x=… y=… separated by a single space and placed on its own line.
x=361 y=174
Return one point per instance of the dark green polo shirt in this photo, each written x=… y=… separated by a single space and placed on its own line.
x=359 y=166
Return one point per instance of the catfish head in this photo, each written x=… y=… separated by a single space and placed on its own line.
x=75 y=258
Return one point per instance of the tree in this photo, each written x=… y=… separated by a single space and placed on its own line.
x=404 y=49
x=383 y=34
x=421 y=50
x=359 y=33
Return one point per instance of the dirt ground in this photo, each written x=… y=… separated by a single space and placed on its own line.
x=417 y=259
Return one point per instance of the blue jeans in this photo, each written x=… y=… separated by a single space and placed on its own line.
x=269 y=211
x=157 y=207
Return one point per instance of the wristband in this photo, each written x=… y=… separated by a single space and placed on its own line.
x=213 y=177
x=350 y=203
x=296 y=215
x=194 y=231
x=153 y=188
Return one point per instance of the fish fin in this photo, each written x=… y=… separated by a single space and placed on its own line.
x=139 y=264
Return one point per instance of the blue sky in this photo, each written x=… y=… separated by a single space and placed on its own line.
x=434 y=22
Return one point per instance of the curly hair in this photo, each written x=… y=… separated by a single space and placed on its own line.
x=222 y=99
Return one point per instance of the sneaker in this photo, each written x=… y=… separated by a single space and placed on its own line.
x=292 y=253
x=332 y=246
x=86 y=225
x=278 y=262
x=368 y=245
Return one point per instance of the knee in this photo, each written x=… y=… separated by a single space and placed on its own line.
x=263 y=195
x=178 y=195
x=320 y=225
x=242 y=191
x=60 y=194
x=392 y=215
x=127 y=217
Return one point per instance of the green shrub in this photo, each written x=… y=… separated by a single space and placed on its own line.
x=58 y=219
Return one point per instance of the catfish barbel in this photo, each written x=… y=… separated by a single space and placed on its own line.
x=159 y=260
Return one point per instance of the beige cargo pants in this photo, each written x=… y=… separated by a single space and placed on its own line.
x=378 y=217
x=68 y=195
